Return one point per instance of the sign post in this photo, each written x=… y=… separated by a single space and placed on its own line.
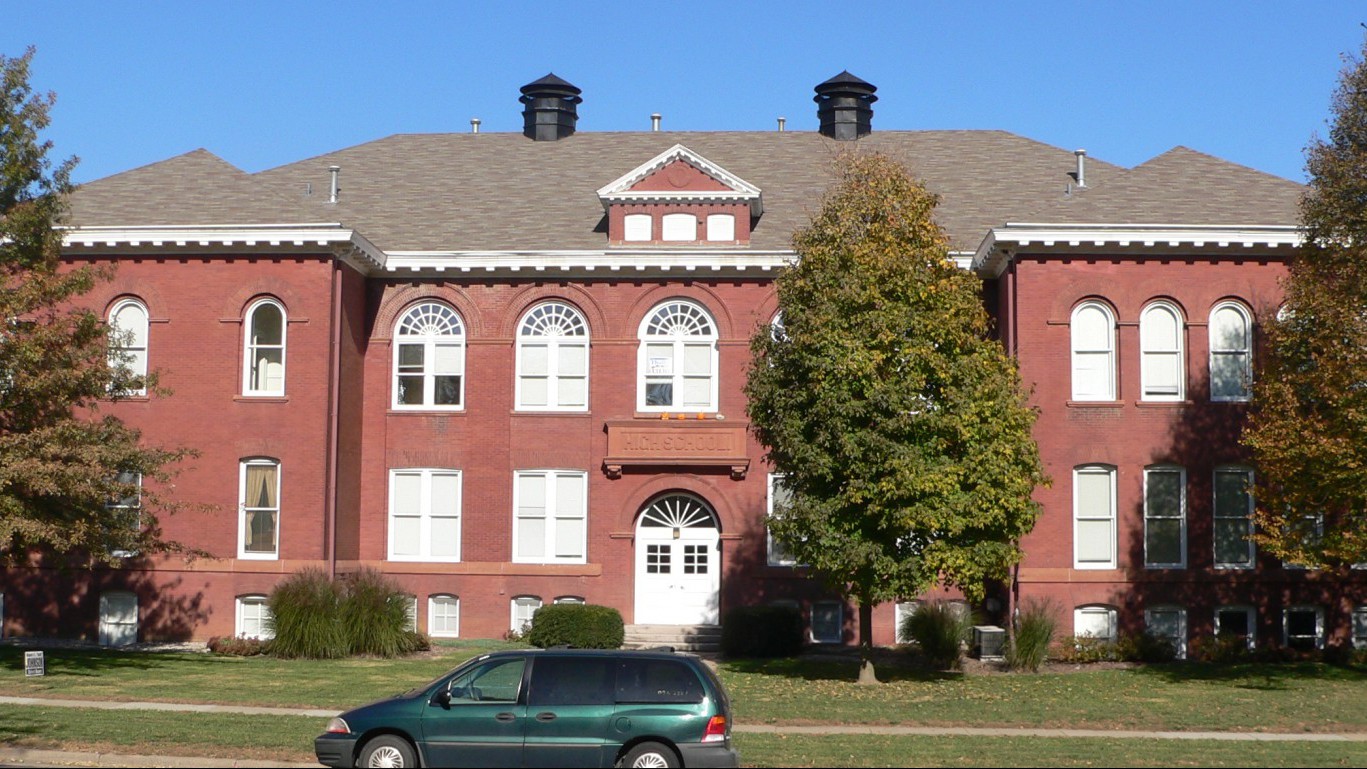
x=34 y=664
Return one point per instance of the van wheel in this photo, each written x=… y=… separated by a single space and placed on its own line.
x=388 y=752
x=650 y=755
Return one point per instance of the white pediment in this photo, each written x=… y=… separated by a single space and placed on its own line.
x=737 y=190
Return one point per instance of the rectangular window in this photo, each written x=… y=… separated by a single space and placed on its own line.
x=259 y=509
x=126 y=512
x=1360 y=627
x=1169 y=624
x=1233 y=518
x=1303 y=628
x=424 y=515
x=410 y=613
x=1311 y=532
x=550 y=520
x=901 y=613
x=1094 y=622
x=524 y=610
x=1094 y=517
x=254 y=618
x=1165 y=518
x=1236 y=622
x=443 y=616
x=779 y=496
x=828 y=622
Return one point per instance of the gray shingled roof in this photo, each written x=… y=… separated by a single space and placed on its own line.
x=195 y=188
x=1181 y=186
x=502 y=191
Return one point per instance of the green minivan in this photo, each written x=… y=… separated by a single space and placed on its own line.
x=552 y=707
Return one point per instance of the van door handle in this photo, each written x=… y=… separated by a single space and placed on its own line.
x=505 y=717
x=547 y=716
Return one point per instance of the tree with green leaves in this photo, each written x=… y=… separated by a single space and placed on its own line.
x=70 y=479
x=1308 y=422
x=899 y=425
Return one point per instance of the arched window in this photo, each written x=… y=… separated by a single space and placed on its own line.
x=553 y=359
x=677 y=361
x=128 y=342
x=263 y=359
x=429 y=358
x=443 y=616
x=1162 y=367
x=1231 y=352
x=258 y=516
x=1093 y=353
x=679 y=227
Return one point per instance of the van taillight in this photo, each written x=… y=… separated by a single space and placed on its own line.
x=716 y=730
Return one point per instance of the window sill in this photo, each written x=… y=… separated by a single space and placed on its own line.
x=680 y=416
x=1164 y=404
x=1095 y=404
x=261 y=399
x=425 y=412
x=522 y=413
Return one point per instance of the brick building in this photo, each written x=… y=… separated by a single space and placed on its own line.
x=506 y=369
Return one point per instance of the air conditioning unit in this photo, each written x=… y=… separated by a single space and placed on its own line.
x=989 y=642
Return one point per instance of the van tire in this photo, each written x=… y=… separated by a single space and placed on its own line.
x=387 y=750
x=650 y=755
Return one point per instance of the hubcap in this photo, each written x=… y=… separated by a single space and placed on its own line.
x=650 y=761
x=391 y=758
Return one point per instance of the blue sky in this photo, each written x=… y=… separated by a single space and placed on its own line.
x=265 y=83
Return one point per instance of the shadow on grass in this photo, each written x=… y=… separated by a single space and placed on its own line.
x=1259 y=676
x=890 y=667
x=96 y=662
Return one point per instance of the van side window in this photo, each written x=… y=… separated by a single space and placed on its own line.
x=497 y=681
x=657 y=681
x=570 y=681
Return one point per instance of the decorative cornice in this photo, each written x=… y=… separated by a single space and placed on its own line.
x=604 y=263
x=1002 y=243
x=340 y=241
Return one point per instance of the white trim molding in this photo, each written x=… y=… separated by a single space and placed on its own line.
x=740 y=191
x=343 y=242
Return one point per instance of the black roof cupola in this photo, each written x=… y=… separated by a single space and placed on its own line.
x=844 y=107
x=550 y=112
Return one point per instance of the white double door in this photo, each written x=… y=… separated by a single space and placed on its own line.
x=678 y=567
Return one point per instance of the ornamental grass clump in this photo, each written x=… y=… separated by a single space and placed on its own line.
x=939 y=628
x=373 y=614
x=304 y=617
x=1034 y=633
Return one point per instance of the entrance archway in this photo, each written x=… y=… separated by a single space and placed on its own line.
x=678 y=563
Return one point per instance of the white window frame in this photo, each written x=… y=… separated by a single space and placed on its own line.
x=1105 y=354
x=839 y=635
x=424 y=334
x=721 y=227
x=139 y=346
x=124 y=503
x=1181 y=516
x=243 y=509
x=1358 y=621
x=560 y=329
x=257 y=604
x=443 y=609
x=678 y=338
x=1153 y=351
x=1218 y=350
x=1319 y=624
x=573 y=600
x=632 y=230
x=522 y=609
x=1247 y=517
x=1081 y=613
x=1180 y=641
x=775 y=553
x=1078 y=517
x=252 y=350
x=425 y=514
x=679 y=228
x=410 y=613
x=1251 y=621
x=900 y=611
x=1318 y=536
x=554 y=514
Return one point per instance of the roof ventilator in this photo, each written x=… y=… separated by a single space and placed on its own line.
x=550 y=111
x=844 y=107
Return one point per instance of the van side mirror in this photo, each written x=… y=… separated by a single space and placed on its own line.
x=442 y=698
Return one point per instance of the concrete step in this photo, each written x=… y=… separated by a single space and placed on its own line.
x=693 y=638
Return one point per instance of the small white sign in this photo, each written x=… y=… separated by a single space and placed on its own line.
x=34 y=664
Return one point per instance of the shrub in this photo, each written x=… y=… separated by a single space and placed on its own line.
x=582 y=626
x=413 y=641
x=233 y=646
x=1034 y=633
x=1083 y=649
x=939 y=628
x=1143 y=647
x=1221 y=649
x=304 y=616
x=762 y=631
x=374 y=615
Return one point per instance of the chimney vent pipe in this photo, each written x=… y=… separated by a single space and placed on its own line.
x=474 y=125
x=654 y=121
x=1081 y=174
x=334 y=190
x=781 y=122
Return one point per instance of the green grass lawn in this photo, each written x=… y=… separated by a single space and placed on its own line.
x=1276 y=698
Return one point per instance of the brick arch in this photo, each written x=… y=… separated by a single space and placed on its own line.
x=575 y=296
x=728 y=517
x=237 y=302
x=149 y=294
x=393 y=306
x=710 y=301
x=1167 y=299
